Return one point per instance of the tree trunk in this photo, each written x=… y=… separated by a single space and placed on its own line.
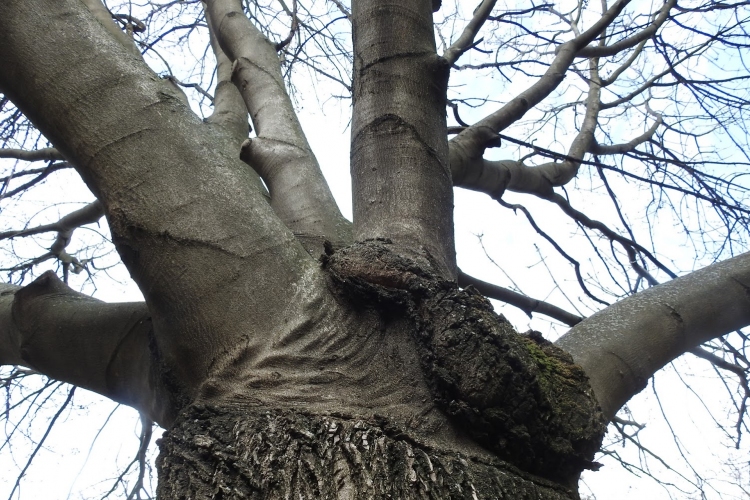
x=417 y=390
x=258 y=453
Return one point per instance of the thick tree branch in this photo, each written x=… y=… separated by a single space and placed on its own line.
x=622 y=346
x=469 y=145
x=519 y=300
x=612 y=78
x=64 y=227
x=86 y=215
x=71 y=337
x=105 y=17
x=466 y=40
x=280 y=152
x=495 y=177
x=627 y=147
x=229 y=107
x=186 y=217
x=399 y=157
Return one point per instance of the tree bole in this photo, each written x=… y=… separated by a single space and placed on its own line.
x=483 y=412
x=235 y=452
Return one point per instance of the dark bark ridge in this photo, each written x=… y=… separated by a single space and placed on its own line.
x=516 y=395
x=232 y=453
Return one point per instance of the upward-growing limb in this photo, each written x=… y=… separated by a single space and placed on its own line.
x=622 y=346
x=401 y=181
x=280 y=152
x=177 y=203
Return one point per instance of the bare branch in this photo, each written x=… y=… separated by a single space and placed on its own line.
x=624 y=66
x=576 y=265
x=74 y=338
x=470 y=144
x=131 y=24
x=523 y=302
x=466 y=40
x=631 y=41
x=229 y=107
x=145 y=439
x=42 y=440
x=344 y=10
x=611 y=149
x=52 y=167
x=280 y=153
x=295 y=24
x=45 y=154
x=628 y=245
x=65 y=226
x=86 y=215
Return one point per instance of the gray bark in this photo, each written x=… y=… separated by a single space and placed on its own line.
x=622 y=346
x=280 y=152
x=272 y=368
x=106 y=348
x=401 y=181
x=177 y=199
x=255 y=454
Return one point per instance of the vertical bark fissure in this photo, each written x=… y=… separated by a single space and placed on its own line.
x=401 y=181
x=245 y=453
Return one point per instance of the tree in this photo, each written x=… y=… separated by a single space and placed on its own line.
x=290 y=352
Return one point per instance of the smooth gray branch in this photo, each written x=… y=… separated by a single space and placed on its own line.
x=69 y=336
x=466 y=40
x=177 y=202
x=469 y=145
x=65 y=226
x=299 y=193
x=622 y=346
x=229 y=107
x=86 y=215
x=44 y=154
x=626 y=147
x=631 y=41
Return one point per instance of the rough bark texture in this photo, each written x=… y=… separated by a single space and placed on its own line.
x=369 y=376
x=487 y=413
x=250 y=453
x=518 y=396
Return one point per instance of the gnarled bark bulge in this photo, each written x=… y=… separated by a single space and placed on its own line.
x=482 y=412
